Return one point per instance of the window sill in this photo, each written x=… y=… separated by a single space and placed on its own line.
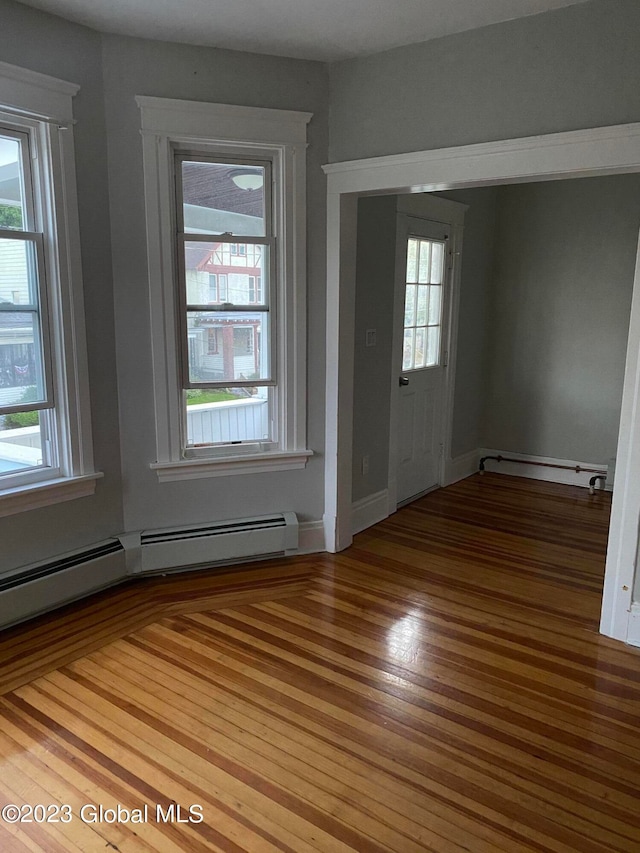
x=224 y=466
x=45 y=493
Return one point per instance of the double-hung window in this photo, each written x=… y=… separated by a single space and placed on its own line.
x=225 y=201
x=26 y=394
x=45 y=440
x=224 y=219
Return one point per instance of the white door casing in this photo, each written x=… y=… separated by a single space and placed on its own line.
x=583 y=153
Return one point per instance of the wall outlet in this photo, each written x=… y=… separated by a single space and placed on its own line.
x=371 y=338
x=365 y=465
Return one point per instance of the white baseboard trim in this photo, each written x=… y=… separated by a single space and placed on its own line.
x=539 y=472
x=311 y=537
x=461 y=467
x=633 y=632
x=369 y=511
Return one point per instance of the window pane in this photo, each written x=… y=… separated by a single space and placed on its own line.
x=227 y=345
x=21 y=367
x=20 y=442
x=223 y=197
x=11 y=192
x=421 y=314
x=220 y=273
x=18 y=273
x=421 y=350
x=412 y=259
x=407 y=350
x=433 y=346
x=437 y=263
x=227 y=414
x=435 y=300
x=425 y=257
x=410 y=305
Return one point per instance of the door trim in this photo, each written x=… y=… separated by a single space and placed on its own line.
x=450 y=213
x=582 y=153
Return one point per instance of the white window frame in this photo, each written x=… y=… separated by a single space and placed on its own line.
x=226 y=131
x=42 y=107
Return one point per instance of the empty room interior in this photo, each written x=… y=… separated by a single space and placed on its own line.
x=319 y=426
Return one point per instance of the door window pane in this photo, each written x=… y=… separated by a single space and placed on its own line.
x=425 y=259
x=437 y=263
x=420 y=349
x=423 y=303
x=421 y=313
x=408 y=349
x=435 y=304
x=410 y=306
x=412 y=260
x=433 y=346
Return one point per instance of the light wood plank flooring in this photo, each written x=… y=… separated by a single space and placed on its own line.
x=440 y=686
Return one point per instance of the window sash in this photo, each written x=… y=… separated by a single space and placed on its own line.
x=183 y=155
x=42 y=342
x=269 y=300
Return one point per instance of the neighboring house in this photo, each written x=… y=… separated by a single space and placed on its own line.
x=215 y=276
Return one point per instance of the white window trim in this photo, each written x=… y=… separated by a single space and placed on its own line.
x=45 y=104
x=277 y=134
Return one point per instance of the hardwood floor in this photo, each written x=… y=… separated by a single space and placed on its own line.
x=440 y=686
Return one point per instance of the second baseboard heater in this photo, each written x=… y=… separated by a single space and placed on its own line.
x=218 y=543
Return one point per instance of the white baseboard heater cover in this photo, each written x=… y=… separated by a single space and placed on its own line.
x=40 y=587
x=216 y=543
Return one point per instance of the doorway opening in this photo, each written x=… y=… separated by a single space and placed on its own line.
x=597 y=152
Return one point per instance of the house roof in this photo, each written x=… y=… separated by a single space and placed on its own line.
x=210 y=185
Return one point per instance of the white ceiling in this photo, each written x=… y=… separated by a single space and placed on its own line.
x=308 y=29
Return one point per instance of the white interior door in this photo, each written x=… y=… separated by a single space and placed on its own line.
x=423 y=358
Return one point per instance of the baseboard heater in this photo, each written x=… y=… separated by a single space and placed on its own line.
x=215 y=544
x=598 y=473
x=39 y=587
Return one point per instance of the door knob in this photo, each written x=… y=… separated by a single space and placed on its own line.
x=404 y=380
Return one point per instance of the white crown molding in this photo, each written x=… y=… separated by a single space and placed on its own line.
x=197 y=119
x=35 y=94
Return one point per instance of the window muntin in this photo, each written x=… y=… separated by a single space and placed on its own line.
x=26 y=396
x=423 y=303
x=226 y=263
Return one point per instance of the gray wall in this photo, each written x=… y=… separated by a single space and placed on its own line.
x=47 y=44
x=572 y=68
x=139 y=67
x=375 y=277
x=563 y=279
x=474 y=326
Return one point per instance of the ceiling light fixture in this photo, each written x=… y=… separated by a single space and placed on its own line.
x=247 y=179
